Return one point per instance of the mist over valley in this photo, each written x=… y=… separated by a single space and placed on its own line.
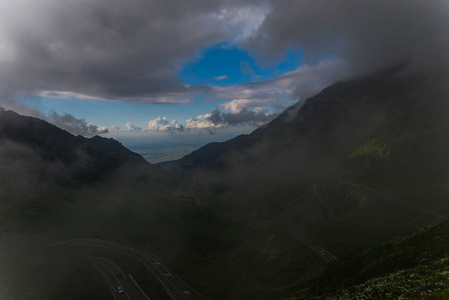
x=224 y=150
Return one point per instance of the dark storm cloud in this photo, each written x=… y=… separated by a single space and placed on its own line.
x=132 y=50
x=111 y=49
x=366 y=35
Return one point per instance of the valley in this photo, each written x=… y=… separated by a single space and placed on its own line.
x=293 y=210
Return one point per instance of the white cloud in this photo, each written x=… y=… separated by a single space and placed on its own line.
x=222 y=77
x=74 y=125
x=114 y=128
x=237 y=105
x=131 y=127
x=164 y=124
x=97 y=129
x=257 y=116
x=202 y=122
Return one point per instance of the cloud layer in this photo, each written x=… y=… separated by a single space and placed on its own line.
x=366 y=35
x=113 y=49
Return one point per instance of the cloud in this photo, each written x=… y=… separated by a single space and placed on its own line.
x=74 y=125
x=280 y=91
x=244 y=117
x=221 y=78
x=133 y=50
x=365 y=35
x=255 y=117
x=164 y=124
x=202 y=122
x=114 y=128
x=256 y=103
x=237 y=105
x=131 y=127
x=115 y=50
x=158 y=124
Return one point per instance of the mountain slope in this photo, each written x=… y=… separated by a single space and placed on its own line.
x=335 y=121
x=78 y=158
x=362 y=162
x=412 y=267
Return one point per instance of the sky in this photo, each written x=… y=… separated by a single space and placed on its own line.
x=190 y=68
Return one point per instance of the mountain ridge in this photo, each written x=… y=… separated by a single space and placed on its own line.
x=341 y=111
x=91 y=158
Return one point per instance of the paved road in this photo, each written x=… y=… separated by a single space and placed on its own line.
x=175 y=287
x=299 y=234
x=117 y=279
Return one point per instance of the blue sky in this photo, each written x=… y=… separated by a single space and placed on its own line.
x=225 y=65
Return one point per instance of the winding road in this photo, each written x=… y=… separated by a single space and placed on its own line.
x=298 y=233
x=174 y=287
x=437 y=217
x=122 y=287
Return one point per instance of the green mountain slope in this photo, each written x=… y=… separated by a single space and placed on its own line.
x=411 y=267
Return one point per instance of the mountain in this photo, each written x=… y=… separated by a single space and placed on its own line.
x=77 y=158
x=411 y=267
x=362 y=162
x=297 y=206
x=335 y=122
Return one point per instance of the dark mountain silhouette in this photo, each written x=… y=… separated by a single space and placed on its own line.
x=81 y=159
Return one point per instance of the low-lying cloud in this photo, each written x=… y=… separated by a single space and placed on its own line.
x=219 y=119
x=75 y=126
x=159 y=124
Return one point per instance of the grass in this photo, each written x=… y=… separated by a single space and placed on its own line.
x=375 y=148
